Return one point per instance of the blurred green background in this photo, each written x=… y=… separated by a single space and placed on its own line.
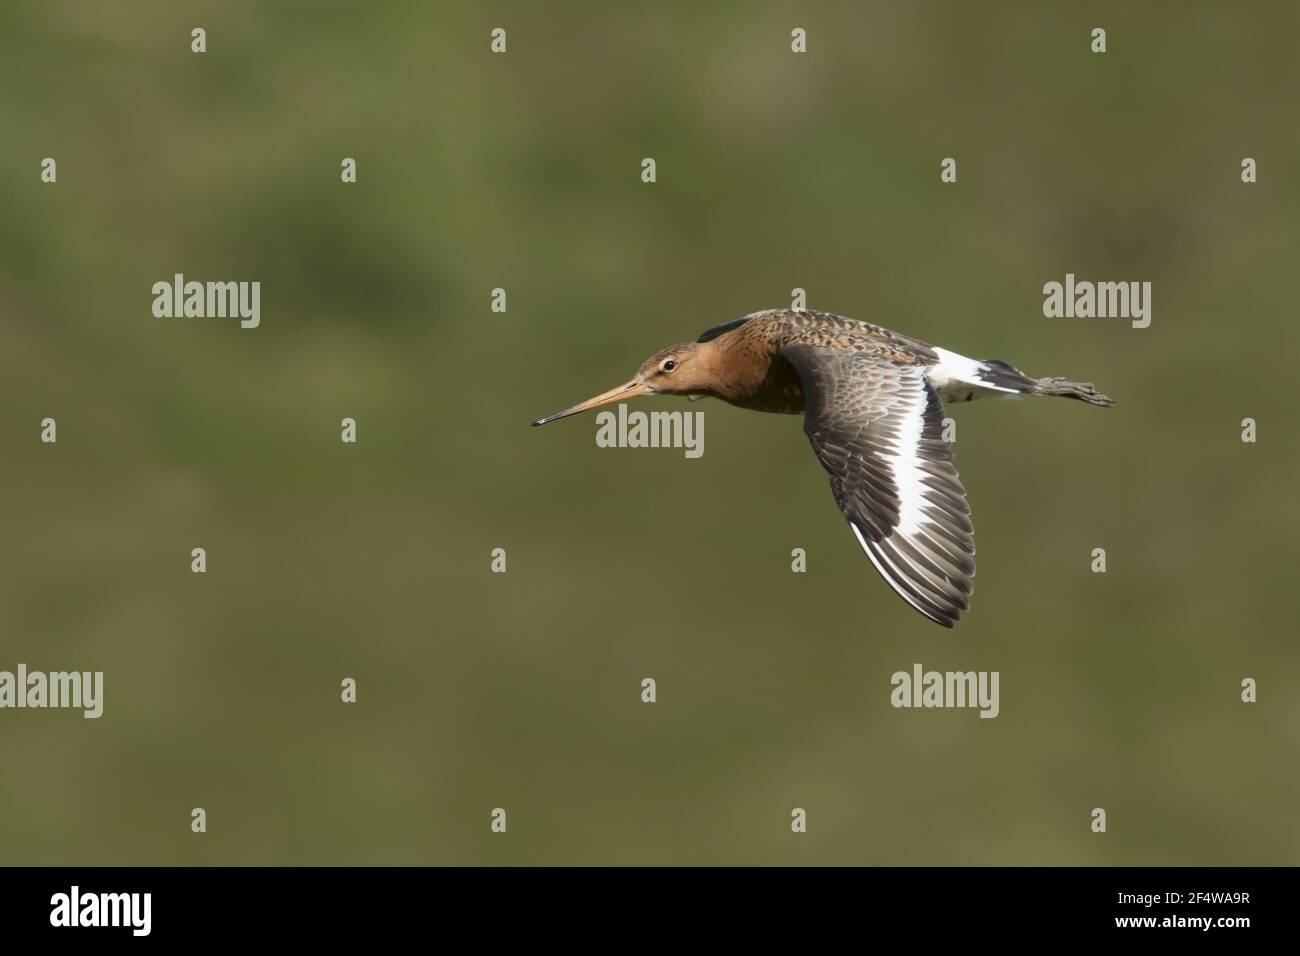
x=522 y=690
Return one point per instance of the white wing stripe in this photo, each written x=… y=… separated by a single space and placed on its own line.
x=907 y=476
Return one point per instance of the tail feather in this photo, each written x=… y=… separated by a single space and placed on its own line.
x=960 y=379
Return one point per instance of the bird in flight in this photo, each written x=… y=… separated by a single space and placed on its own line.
x=872 y=402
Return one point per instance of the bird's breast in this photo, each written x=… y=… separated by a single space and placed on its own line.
x=776 y=390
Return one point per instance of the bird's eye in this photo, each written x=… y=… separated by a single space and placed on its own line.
x=669 y=365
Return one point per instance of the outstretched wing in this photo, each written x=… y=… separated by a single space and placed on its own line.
x=877 y=428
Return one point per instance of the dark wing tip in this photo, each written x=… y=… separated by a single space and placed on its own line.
x=938 y=594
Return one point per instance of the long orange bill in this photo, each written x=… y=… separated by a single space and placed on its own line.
x=631 y=390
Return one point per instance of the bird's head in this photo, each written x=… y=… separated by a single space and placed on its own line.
x=676 y=370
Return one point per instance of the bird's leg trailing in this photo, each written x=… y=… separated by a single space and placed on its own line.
x=1083 y=391
x=959 y=379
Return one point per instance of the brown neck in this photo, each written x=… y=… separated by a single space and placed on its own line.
x=736 y=369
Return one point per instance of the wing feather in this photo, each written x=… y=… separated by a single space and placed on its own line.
x=877 y=428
